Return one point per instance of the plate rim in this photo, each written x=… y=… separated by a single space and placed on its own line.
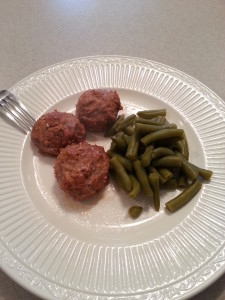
x=221 y=102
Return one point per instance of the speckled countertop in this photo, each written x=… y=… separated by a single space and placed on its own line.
x=185 y=34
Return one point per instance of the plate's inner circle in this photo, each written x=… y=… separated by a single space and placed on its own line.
x=104 y=218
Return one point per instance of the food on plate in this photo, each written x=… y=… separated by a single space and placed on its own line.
x=184 y=197
x=97 y=109
x=148 y=154
x=135 y=211
x=82 y=170
x=55 y=130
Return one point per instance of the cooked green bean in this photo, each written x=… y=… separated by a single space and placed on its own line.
x=142 y=177
x=119 y=141
x=121 y=173
x=160 y=119
x=167 y=161
x=154 y=170
x=184 y=197
x=182 y=180
x=179 y=145
x=182 y=148
x=187 y=169
x=161 y=151
x=132 y=148
x=205 y=174
x=186 y=147
x=126 y=122
x=135 y=211
x=162 y=134
x=154 y=182
x=112 y=130
x=169 y=143
x=144 y=129
x=124 y=161
x=170 y=184
x=166 y=121
x=148 y=114
x=148 y=153
x=126 y=138
x=146 y=157
x=113 y=146
x=153 y=121
x=110 y=152
x=115 y=177
x=165 y=173
x=129 y=130
x=136 y=187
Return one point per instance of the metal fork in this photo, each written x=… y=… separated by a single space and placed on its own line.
x=15 y=111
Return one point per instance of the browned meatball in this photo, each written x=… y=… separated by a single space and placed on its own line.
x=82 y=170
x=97 y=109
x=56 y=130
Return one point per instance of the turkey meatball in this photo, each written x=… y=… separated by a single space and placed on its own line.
x=82 y=170
x=97 y=109
x=56 y=130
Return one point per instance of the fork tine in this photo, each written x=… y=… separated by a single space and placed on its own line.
x=15 y=111
x=8 y=116
x=18 y=112
x=21 y=106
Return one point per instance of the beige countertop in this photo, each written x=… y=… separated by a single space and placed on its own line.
x=185 y=34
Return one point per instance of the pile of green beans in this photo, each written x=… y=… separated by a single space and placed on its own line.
x=148 y=153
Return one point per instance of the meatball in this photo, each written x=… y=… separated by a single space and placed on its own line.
x=82 y=170
x=97 y=109
x=56 y=130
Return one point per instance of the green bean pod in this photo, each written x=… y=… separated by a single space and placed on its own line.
x=132 y=148
x=146 y=157
x=168 y=143
x=162 y=134
x=160 y=119
x=153 y=121
x=112 y=146
x=186 y=147
x=129 y=130
x=149 y=114
x=154 y=170
x=142 y=177
x=154 y=182
x=170 y=184
x=182 y=180
x=144 y=129
x=126 y=122
x=170 y=161
x=184 y=197
x=112 y=130
x=205 y=174
x=187 y=169
x=119 y=141
x=124 y=161
x=182 y=147
x=126 y=138
x=135 y=211
x=121 y=173
x=165 y=173
x=161 y=151
x=136 y=187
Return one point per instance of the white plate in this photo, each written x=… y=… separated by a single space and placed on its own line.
x=61 y=249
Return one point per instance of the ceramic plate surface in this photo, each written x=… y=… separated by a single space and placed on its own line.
x=61 y=249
